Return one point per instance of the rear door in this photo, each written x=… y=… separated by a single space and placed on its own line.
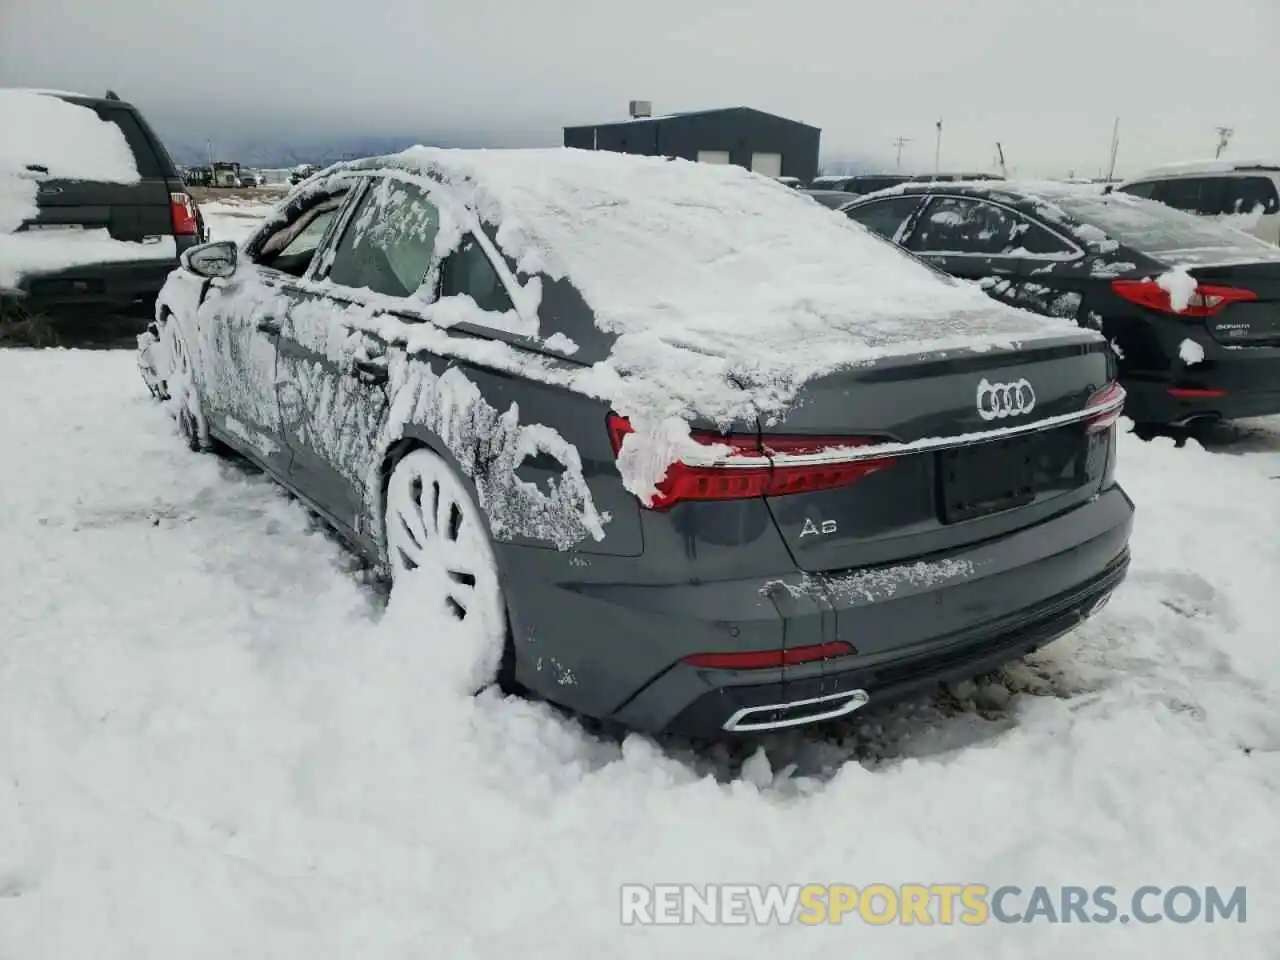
x=982 y=241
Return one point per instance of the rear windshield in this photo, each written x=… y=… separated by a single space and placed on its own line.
x=1151 y=227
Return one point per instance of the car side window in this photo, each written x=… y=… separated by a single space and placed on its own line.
x=1199 y=195
x=1144 y=190
x=885 y=217
x=292 y=248
x=1249 y=195
x=468 y=270
x=963 y=225
x=388 y=244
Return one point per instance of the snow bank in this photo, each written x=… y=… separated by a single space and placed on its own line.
x=215 y=742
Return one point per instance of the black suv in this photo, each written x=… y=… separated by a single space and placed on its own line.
x=98 y=275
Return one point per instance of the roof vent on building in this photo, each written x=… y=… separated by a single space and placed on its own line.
x=640 y=108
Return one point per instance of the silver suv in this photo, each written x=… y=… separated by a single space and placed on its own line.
x=1246 y=195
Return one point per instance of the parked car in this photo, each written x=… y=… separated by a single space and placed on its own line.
x=860 y=183
x=1246 y=195
x=1192 y=307
x=829 y=198
x=743 y=473
x=94 y=219
x=301 y=172
x=863 y=184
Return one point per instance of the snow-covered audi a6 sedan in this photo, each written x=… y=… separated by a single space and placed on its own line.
x=699 y=456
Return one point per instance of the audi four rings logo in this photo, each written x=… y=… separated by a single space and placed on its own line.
x=997 y=401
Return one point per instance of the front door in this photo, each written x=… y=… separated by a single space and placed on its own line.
x=333 y=384
x=240 y=376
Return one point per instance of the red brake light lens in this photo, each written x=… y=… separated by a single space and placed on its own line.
x=1205 y=302
x=1110 y=401
x=762 y=468
x=182 y=210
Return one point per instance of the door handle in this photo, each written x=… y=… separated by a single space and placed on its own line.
x=269 y=325
x=370 y=369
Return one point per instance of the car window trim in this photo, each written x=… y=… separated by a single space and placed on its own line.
x=1077 y=254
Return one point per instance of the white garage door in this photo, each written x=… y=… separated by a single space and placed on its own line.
x=713 y=156
x=769 y=164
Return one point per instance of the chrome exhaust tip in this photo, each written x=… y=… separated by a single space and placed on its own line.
x=812 y=710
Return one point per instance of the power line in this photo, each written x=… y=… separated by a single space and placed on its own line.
x=1224 y=137
x=900 y=143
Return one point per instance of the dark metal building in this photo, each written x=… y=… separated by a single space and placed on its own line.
x=767 y=144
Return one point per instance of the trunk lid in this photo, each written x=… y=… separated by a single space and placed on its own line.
x=988 y=442
x=1247 y=323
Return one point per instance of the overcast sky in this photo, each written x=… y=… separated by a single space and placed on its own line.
x=1045 y=77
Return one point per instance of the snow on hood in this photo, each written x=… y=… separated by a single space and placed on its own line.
x=725 y=290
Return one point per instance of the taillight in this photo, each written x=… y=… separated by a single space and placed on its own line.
x=780 y=465
x=1109 y=402
x=1205 y=302
x=182 y=210
x=764 y=659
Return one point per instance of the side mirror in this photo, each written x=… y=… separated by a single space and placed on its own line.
x=211 y=260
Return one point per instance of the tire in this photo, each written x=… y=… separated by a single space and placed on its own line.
x=431 y=522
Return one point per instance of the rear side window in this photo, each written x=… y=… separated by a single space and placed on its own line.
x=469 y=271
x=885 y=217
x=1249 y=195
x=1144 y=190
x=150 y=166
x=1200 y=195
x=965 y=225
x=388 y=245
x=872 y=184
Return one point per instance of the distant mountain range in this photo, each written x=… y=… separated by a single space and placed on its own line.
x=262 y=153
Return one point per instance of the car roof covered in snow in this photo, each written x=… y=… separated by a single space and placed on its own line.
x=712 y=256
x=1183 y=168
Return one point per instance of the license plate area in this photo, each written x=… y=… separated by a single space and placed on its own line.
x=987 y=478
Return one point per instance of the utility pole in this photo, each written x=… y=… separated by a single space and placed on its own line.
x=1224 y=137
x=1115 y=150
x=937 y=151
x=1004 y=170
x=899 y=144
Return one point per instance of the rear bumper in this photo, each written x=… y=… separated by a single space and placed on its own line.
x=594 y=640
x=882 y=679
x=122 y=288
x=1230 y=384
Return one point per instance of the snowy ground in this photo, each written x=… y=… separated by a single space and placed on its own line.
x=217 y=741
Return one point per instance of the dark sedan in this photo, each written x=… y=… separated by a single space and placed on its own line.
x=697 y=454
x=1191 y=307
